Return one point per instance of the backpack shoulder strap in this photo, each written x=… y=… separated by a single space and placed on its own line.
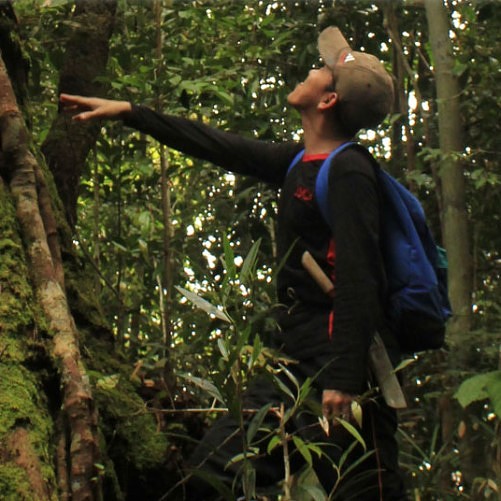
x=322 y=182
x=295 y=160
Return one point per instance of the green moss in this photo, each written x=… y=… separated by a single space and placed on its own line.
x=15 y=290
x=82 y=296
x=125 y=417
x=22 y=405
x=14 y=483
x=22 y=401
x=130 y=431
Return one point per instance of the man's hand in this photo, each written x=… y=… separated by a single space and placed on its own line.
x=336 y=404
x=88 y=108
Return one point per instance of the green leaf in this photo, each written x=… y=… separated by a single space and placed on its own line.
x=284 y=388
x=249 y=263
x=305 y=389
x=205 y=386
x=256 y=422
x=226 y=97
x=493 y=388
x=291 y=376
x=471 y=390
x=202 y=304
x=316 y=449
x=249 y=481
x=108 y=382
x=257 y=349
x=314 y=492
x=303 y=449
x=249 y=453
x=274 y=442
x=404 y=364
x=229 y=259
x=242 y=339
x=221 y=343
x=356 y=411
x=119 y=246
x=353 y=431
x=143 y=248
x=475 y=389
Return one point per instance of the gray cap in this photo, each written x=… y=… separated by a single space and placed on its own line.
x=364 y=87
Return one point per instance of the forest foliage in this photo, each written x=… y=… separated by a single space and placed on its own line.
x=173 y=260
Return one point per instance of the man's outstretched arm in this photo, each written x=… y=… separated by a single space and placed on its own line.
x=88 y=108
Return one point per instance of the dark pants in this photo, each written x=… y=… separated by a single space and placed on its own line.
x=365 y=475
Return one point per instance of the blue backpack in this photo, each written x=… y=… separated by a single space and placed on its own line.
x=416 y=267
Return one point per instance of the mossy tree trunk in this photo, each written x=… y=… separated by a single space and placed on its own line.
x=57 y=362
x=36 y=220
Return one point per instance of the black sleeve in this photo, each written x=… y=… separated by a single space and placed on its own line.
x=359 y=275
x=264 y=160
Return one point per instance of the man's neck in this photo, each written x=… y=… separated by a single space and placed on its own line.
x=320 y=138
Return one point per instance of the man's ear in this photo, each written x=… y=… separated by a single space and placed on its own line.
x=328 y=101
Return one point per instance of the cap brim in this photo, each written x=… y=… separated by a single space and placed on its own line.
x=331 y=44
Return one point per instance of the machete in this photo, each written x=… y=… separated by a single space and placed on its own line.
x=379 y=360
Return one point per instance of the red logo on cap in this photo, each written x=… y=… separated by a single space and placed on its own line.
x=348 y=57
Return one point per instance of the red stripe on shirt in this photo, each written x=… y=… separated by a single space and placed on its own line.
x=331 y=259
x=331 y=325
x=312 y=158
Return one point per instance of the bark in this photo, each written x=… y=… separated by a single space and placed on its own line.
x=68 y=143
x=21 y=448
x=14 y=59
x=456 y=236
x=78 y=413
x=455 y=219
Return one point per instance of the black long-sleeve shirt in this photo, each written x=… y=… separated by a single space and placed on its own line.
x=327 y=335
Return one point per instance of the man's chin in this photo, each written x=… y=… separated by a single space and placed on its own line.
x=290 y=99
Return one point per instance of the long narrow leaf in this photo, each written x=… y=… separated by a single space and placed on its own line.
x=249 y=263
x=284 y=388
x=202 y=304
x=353 y=431
x=303 y=449
x=273 y=443
x=229 y=259
x=413 y=443
x=256 y=422
x=250 y=453
x=204 y=385
x=223 y=348
x=312 y=491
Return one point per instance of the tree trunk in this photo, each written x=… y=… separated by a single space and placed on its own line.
x=33 y=212
x=455 y=236
x=68 y=143
x=455 y=219
x=50 y=445
x=14 y=58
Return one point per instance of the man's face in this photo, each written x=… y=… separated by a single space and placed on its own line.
x=312 y=90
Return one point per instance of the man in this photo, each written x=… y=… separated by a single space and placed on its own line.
x=329 y=337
